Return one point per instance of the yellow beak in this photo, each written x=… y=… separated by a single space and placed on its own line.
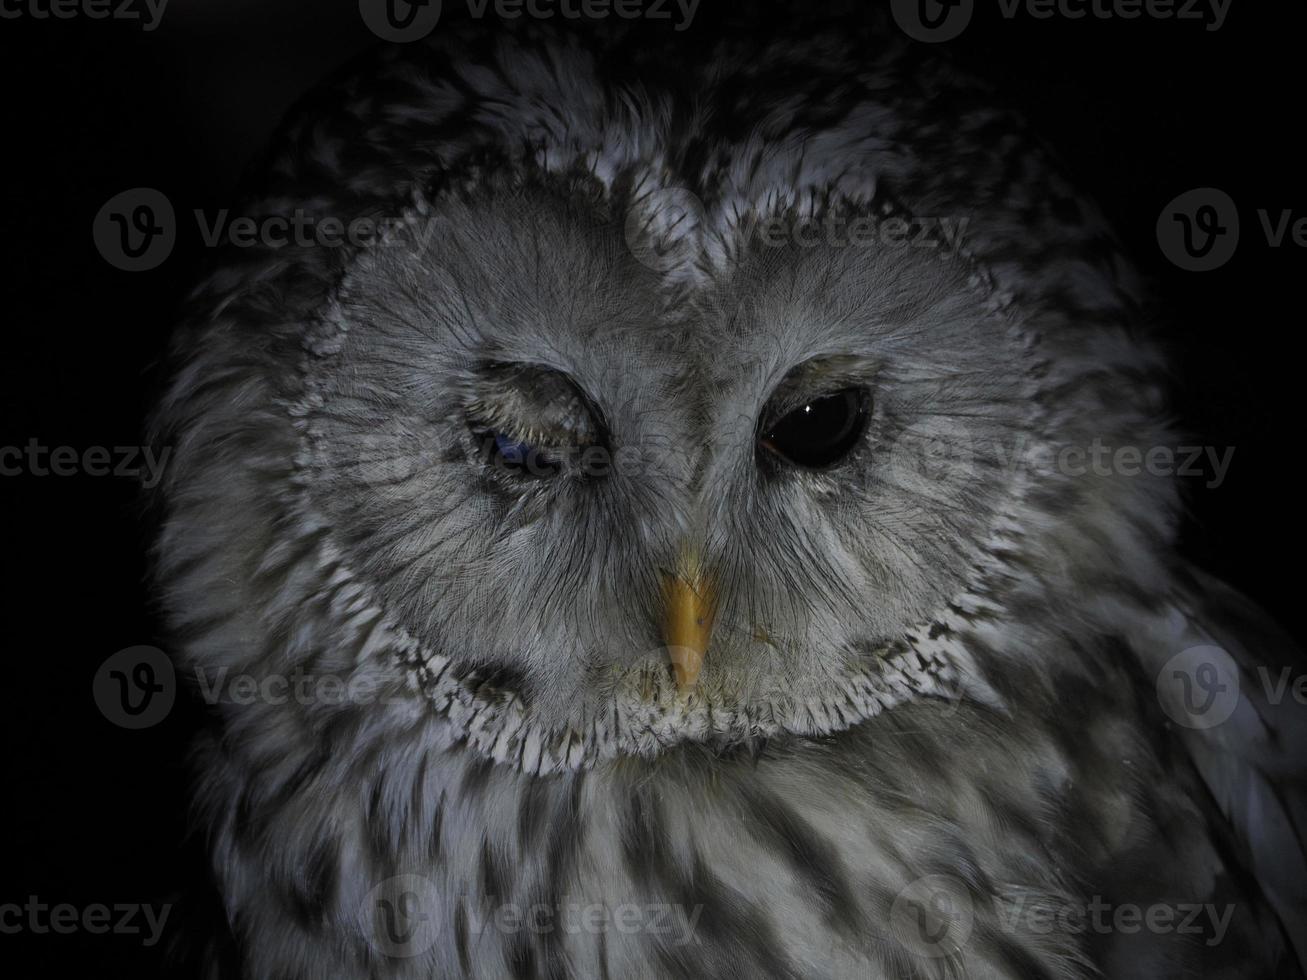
x=689 y=606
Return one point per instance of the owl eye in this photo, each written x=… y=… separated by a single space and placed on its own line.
x=531 y=422
x=517 y=456
x=821 y=432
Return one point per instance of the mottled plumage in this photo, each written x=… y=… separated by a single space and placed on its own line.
x=938 y=658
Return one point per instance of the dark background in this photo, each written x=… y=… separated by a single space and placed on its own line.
x=1140 y=111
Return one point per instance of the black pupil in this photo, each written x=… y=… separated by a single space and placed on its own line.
x=820 y=433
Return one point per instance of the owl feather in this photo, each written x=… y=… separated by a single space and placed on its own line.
x=919 y=733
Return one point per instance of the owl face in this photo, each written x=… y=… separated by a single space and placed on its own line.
x=699 y=501
x=596 y=472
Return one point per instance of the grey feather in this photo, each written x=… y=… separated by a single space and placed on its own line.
x=931 y=685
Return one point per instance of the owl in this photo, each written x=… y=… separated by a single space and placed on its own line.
x=681 y=529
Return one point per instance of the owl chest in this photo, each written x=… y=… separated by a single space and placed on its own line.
x=699 y=872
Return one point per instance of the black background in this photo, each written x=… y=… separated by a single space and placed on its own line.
x=1139 y=110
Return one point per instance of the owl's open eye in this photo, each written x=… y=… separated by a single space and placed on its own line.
x=821 y=432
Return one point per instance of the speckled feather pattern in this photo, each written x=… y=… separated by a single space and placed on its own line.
x=960 y=679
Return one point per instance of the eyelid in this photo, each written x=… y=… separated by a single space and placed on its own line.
x=534 y=403
x=490 y=418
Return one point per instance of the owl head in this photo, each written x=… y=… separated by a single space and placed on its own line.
x=696 y=406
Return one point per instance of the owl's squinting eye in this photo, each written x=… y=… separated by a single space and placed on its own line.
x=821 y=432
x=530 y=421
x=517 y=456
